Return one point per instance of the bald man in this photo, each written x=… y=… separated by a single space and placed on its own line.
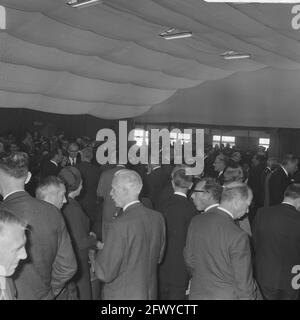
x=134 y=245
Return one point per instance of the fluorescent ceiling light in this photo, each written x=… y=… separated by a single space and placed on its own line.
x=171 y=34
x=230 y=55
x=83 y=4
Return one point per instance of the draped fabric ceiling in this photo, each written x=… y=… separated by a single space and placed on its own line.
x=109 y=61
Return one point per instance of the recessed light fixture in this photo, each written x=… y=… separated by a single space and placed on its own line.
x=230 y=55
x=83 y=4
x=173 y=34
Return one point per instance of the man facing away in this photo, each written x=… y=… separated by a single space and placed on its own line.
x=217 y=251
x=276 y=240
x=280 y=179
x=134 y=245
x=12 y=250
x=51 y=260
x=178 y=212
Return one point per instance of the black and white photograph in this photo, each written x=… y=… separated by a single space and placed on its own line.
x=149 y=151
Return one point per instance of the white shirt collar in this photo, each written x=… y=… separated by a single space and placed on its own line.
x=285 y=202
x=72 y=160
x=220 y=173
x=11 y=193
x=155 y=168
x=211 y=206
x=284 y=170
x=228 y=212
x=54 y=162
x=180 y=194
x=2 y=282
x=129 y=204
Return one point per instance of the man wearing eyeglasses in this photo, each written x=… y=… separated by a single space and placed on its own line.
x=217 y=251
x=206 y=194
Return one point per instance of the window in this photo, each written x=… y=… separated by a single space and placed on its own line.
x=224 y=139
x=183 y=137
x=141 y=137
x=264 y=142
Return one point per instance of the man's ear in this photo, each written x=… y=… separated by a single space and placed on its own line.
x=29 y=175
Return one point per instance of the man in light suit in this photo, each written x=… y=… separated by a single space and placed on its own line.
x=134 y=245
x=51 y=260
x=217 y=251
x=12 y=250
x=109 y=208
x=276 y=240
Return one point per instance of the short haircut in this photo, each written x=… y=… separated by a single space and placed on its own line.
x=8 y=218
x=235 y=190
x=73 y=144
x=223 y=158
x=87 y=153
x=130 y=178
x=15 y=164
x=292 y=191
x=54 y=152
x=212 y=187
x=45 y=184
x=232 y=174
x=289 y=158
x=71 y=177
x=180 y=178
x=261 y=158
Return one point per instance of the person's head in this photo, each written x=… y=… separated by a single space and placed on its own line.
x=290 y=163
x=52 y=190
x=12 y=242
x=87 y=154
x=236 y=198
x=180 y=180
x=236 y=157
x=258 y=159
x=73 y=150
x=72 y=178
x=220 y=162
x=13 y=147
x=126 y=187
x=292 y=195
x=232 y=174
x=56 y=155
x=272 y=163
x=13 y=172
x=206 y=193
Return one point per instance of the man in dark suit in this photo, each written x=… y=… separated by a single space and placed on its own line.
x=12 y=250
x=217 y=251
x=276 y=240
x=74 y=157
x=52 y=167
x=90 y=174
x=178 y=212
x=134 y=244
x=220 y=165
x=155 y=181
x=272 y=164
x=281 y=178
x=51 y=260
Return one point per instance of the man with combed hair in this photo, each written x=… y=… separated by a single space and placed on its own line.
x=52 y=190
x=134 y=244
x=52 y=262
x=178 y=212
x=276 y=240
x=206 y=194
x=280 y=179
x=12 y=250
x=217 y=251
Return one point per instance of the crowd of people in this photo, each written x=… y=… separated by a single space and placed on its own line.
x=72 y=229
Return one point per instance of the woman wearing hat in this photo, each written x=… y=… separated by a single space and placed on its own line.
x=78 y=227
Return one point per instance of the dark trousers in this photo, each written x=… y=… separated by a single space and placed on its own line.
x=279 y=294
x=171 y=292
